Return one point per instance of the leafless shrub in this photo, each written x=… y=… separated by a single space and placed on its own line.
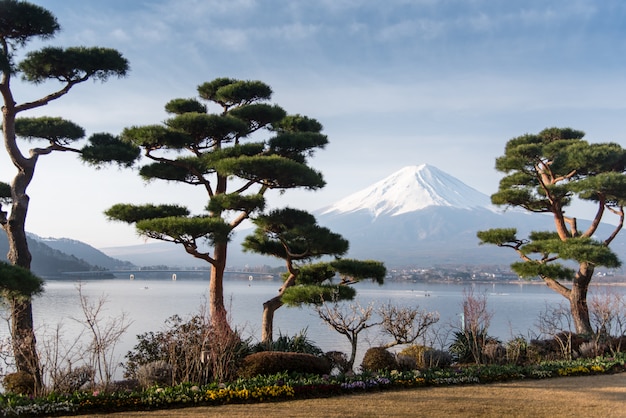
x=436 y=358
x=493 y=352
x=221 y=352
x=556 y=322
x=475 y=322
x=516 y=350
x=348 y=320
x=71 y=380
x=608 y=317
x=105 y=335
x=59 y=357
x=476 y=316
x=155 y=373
x=196 y=351
x=405 y=324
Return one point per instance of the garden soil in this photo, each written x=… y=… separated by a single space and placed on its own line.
x=602 y=396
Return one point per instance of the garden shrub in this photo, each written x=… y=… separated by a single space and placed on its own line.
x=73 y=380
x=19 y=383
x=197 y=352
x=405 y=362
x=591 y=349
x=127 y=385
x=461 y=348
x=493 y=353
x=180 y=345
x=422 y=357
x=273 y=362
x=299 y=343
x=467 y=346
x=155 y=373
x=338 y=361
x=411 y=357
x=436 y=358
x=563 y=345
x=378 y=358
x=517 y=351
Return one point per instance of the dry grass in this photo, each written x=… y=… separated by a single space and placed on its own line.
x=588 y=396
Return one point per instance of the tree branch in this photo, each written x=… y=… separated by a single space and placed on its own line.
x=618 y=228
x=47 y=99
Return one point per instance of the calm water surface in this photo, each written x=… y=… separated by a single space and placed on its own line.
x=148 y=303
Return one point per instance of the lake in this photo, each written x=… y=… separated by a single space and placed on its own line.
x=149 y=303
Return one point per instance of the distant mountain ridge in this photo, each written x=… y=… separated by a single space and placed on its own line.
x=85 y=252
x=53 y=257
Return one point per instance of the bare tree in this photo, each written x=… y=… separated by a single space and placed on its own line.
x=476 y=318
x=348 y=320
x=105 y=335
x=557 y=322
x=405 y=324
x=58 y=357
x=608 y=317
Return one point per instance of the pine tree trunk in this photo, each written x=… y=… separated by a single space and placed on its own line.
x=270 y=306
x=578 y=300
x=219 y=317
x=23 y=339
x=22 y=329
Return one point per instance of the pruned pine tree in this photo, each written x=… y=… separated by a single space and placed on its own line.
x=20 y=22
x=294 y=236
x=227 y=157
x=545 y=173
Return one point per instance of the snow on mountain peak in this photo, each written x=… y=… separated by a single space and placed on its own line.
x=410 y=189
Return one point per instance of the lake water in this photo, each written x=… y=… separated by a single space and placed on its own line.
x=149 y=303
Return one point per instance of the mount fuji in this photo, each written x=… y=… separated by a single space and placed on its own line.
x=423 y=216
x=411 y=189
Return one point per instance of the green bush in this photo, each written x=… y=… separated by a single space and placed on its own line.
x=273 y=362
x=378 y=358
x=20 y=383
x=299 y=343
x=467 y=346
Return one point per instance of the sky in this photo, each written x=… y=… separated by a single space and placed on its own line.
x=394 y=83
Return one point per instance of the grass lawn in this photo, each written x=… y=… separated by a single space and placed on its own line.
x=585 y=396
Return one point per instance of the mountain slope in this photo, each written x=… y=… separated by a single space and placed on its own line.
x=83 y=251
x=423 y=216
x=410 y=189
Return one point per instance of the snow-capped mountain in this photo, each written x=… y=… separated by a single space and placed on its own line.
x=410 y=189
x=421 y=215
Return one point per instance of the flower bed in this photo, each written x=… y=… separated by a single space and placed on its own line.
x=284 y=387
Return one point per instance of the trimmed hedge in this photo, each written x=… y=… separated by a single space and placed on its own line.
x=273 y=362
